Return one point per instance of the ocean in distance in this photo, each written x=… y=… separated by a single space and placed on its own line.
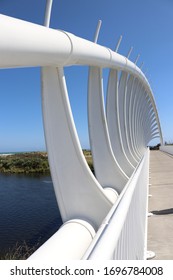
x=28 y=210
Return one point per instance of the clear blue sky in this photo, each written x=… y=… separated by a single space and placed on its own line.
x=145 y=25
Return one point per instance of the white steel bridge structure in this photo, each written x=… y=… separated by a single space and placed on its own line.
x=104 y=216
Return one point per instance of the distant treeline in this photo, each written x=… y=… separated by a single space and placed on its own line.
x=32 y=162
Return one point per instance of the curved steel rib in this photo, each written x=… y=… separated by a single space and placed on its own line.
x=78 y=193
x=107 y=170
x=113 y=119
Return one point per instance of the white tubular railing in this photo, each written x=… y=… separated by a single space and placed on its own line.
x=63 y=246
x=113 y=203
x=122 y=234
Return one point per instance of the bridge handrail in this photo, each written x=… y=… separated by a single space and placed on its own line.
x=129 y=240
x=33 y=45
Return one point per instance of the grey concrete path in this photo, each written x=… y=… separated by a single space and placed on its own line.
x=160 y=225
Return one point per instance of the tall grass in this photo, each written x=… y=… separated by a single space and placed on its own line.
x=19 y=252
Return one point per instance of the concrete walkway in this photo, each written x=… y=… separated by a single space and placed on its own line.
x=160 y=225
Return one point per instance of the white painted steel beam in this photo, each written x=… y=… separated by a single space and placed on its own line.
x=130 y=119
x=107 y=170
x=78 y=193
x=113 y=120
x=126 y=120
x=121 y=105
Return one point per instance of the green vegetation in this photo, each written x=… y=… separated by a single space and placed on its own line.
x=87 y=153
x=88 y=157
x=19 y=252
x=24 y=163
x=33 y=162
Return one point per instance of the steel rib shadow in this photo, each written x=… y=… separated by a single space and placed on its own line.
x=163 y=212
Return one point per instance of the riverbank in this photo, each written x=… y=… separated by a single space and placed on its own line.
x=31 y=162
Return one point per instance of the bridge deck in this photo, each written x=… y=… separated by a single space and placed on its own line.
x=160 y=225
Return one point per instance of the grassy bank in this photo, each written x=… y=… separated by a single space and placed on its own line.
x=19 y=252
x=24 y=163
x=33 y=162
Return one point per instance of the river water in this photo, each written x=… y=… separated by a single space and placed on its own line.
x=28 y=210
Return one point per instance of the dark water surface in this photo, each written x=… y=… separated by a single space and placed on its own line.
x=28 y=210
